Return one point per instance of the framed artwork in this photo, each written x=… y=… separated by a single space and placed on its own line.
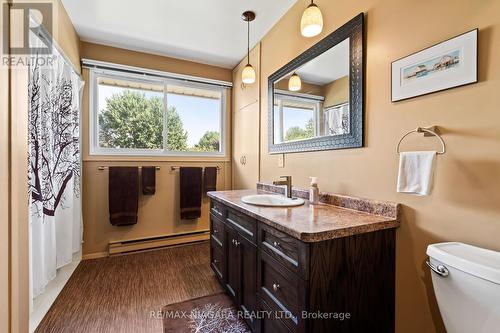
x=446 y=65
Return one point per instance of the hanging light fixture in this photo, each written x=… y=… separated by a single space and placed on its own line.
x=311 y=23
x=248 y=74
x=294 y=83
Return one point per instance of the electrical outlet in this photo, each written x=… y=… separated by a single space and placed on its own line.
x=281 y=160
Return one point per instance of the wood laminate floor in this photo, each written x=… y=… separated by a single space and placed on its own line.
x=119 y=294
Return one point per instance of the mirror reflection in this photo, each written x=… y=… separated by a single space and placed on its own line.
x=313 y=100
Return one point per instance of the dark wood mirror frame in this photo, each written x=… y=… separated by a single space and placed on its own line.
x=354 y=30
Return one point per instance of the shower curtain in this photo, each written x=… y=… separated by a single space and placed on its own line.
x=54 y=167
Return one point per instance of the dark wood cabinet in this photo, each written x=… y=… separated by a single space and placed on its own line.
x=340 y=285
x=234 y=260
x=232 y=263
x=248 y=280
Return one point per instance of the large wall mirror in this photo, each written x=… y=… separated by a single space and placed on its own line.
x=316 y=100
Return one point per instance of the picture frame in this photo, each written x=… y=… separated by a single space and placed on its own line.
x=446 y=65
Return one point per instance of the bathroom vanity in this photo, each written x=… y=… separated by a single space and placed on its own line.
x=318 y=268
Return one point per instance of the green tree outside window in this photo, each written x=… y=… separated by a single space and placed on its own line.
x=132 y=120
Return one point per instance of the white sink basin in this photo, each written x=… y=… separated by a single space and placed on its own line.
x=271 y=200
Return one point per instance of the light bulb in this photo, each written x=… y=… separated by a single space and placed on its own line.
x=248 y=74
x=311 y=23
x=294 y=83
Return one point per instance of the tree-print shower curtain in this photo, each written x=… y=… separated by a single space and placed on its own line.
x=54 y=168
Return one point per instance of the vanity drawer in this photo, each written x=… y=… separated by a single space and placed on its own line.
x=288 y=251
x=244 y=225
x=272 y=322
x=216 y=231
x=281 y=290
x=217 y=261
x=217 y=209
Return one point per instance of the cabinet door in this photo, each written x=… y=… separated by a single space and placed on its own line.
x=248 y=279
x=246 y=147
x=246 y=115
x=232 y=262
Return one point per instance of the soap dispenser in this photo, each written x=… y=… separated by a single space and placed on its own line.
x=314 y=191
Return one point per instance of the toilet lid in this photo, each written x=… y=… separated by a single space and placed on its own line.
x=474 y=260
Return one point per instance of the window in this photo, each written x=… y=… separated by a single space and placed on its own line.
x=295 y=119
x=145 y=115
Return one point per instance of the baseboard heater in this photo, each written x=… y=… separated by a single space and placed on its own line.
x=157 y=242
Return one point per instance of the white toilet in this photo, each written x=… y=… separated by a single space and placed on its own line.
x=466 y=282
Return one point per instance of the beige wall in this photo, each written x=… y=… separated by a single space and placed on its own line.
x=464 y=205
x=15 y=177
x=337 y=92
x=19 y=236
x=4 y=194
x=306 y=87
x=158 y=214
x=65 y=34
x=151 y=61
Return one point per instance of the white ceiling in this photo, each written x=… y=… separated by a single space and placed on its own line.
x=206 y=31
x=327 y=67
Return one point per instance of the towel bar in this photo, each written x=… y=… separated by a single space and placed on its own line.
x=426 y=131
x=102 y=167
x=173 y=168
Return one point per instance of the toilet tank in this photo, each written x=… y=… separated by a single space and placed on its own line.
x=469 y=296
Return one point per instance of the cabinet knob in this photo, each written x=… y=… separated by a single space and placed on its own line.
x=216 y=261
x=276 y=286
x=216 y=231
x=233 y=240
x=276 y=244
x=236 y=243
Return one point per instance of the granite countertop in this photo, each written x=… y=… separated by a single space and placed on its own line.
x=314 y=223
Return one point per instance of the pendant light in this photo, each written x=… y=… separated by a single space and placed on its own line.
x=294 y=83
x=248 y=74
x=311 y=23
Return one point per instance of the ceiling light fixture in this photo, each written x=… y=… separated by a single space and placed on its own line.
x=248 y=74
x=311 y=23
x=294 y=83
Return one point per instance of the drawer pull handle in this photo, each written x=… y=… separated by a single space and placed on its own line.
x=276 y=244
x=235 y=242
x=276 y=286
x=216 y=231
x=216 y=261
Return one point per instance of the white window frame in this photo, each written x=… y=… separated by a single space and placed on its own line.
x=96 y=150
x=314 y=103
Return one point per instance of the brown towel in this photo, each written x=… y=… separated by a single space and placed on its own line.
x=190 y=188
x=210 y=179
x=148 y=180
x=123 y=189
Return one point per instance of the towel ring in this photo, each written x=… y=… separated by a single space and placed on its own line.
x=424 y=130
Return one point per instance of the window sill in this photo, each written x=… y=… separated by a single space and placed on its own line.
x=159 y=158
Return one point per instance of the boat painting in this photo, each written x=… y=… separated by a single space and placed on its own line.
x=432 y=66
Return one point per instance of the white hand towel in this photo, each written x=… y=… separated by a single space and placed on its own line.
x=416 y=170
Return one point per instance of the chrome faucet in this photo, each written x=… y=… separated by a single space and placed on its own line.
x=287 y=182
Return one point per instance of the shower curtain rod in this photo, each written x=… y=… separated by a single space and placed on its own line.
x=47 y=38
